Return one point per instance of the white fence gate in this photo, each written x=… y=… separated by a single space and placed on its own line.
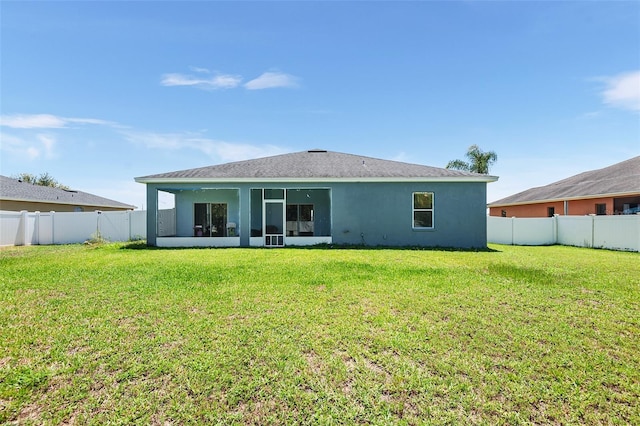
x=610 y=232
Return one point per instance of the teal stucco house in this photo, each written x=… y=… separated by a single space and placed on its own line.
x=315 y=197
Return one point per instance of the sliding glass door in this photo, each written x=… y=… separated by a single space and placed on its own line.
x=210 y=220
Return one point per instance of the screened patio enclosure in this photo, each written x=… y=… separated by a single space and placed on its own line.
x=290 y=217
x=270 y=217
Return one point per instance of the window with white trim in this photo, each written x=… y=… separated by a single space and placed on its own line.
x=422 y=210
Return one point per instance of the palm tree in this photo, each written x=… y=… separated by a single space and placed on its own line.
x=479 y=161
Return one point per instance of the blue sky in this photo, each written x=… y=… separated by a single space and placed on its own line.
x=97 y=93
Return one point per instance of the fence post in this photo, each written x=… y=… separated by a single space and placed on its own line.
x=98 y=232
x=638 y=229
x=53 y=227
x=593 y=229
x=513 y=223
x=36 y=228
x=25 y=231
x=555 y=228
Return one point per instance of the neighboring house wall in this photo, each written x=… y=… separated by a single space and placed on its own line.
x=575 y=208
x=16 y=206
x=361 y=213
x=584 y=207
x=528 y=210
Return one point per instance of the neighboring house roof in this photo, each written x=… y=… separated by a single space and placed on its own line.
x=617 y=180
x=15 y=190
x=313 y=165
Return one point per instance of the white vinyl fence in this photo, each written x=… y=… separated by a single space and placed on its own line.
x=610 y=232
x=24 y=228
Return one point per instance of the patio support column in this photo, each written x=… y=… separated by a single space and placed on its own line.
x=245 y=216
x=152 y=214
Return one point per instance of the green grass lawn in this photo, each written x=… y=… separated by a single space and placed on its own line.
x=517 y=335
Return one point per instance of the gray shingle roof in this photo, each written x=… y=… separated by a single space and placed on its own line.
x=15 y=190
x=315 y=164
x=620 y=178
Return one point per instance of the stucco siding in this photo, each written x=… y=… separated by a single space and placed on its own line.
x=371 y=213
x=381 y=214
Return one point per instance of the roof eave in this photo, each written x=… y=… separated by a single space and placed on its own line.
x=25 y=200
x=486 y=179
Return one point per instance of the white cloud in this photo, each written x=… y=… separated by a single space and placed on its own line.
x=10 y=142
x=199 y=69
x=48 y=142
x=30 y=149
x=402 y=157
x=590 y=115
x=270 y=80
x=46 y=121
x=218 y=81
x=32 y=153
x=38 y=133
x=623 y=91
x=91 y=121
x=33 y=121
x=219 y=151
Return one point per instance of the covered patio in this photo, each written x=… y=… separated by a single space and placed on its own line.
x=213 y=217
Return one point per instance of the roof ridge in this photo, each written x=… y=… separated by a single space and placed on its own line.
x=315 y=163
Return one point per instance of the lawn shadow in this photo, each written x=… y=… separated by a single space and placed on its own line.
x=522 y=273
x=142 y=245
x=400 y=248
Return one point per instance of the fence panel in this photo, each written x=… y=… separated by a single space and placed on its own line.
x=31 y=235
x=11 y=230
x=74 y=227
x=500 y=230
x=534 y=231
x=114 y=226
x=610 y=232
x=616 y=232
x=19 y=228
x=138 y=224
x=575 y=231
x=45 y=229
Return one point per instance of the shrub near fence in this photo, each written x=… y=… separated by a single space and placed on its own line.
x=610 y=232
x=24 y=228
